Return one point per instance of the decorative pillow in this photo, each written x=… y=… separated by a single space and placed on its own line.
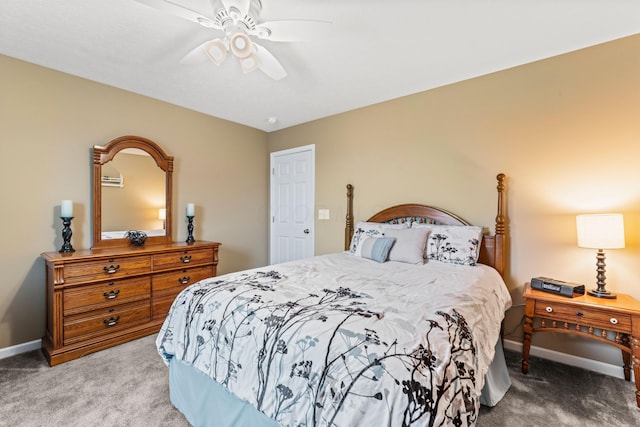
x=409 y=245
x=376 y=248
x=371 y=229
x=455 y=244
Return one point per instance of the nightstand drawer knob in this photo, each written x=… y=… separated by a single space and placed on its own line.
x=549 y=309
x=613 y=321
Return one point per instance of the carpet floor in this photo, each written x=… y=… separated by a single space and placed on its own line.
x=127 y=385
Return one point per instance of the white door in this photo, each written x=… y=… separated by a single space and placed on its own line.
x=292 y=204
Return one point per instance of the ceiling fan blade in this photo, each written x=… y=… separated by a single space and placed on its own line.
x=179 y=11
x=269 y=64
x=291 y=30
x=241 y=6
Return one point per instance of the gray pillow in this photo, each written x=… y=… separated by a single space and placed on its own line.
x=409 y=245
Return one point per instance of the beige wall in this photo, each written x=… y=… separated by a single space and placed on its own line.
x=566 y=131
x=48 y=123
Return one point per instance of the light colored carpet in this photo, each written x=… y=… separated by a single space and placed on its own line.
x=554 y=394
x=127 y=385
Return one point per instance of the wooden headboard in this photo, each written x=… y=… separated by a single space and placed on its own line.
x=492 y=248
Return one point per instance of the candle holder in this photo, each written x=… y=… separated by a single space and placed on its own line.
x=190 y=238
x=66 y=234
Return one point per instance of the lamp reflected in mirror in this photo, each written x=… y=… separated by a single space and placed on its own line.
x=162 y=216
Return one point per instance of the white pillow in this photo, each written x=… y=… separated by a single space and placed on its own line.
x=455 y=244
x=370 y=229
x=409 y=245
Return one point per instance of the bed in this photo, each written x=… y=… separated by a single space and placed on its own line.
x=399 y=329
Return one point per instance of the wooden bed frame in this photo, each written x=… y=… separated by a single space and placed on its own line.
x=492 y=248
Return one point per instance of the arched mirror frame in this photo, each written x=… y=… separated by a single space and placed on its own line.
x=104 y=154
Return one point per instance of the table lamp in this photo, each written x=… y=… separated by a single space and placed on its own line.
x=600 y=231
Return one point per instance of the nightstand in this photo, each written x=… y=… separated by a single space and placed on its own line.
x=612 y=321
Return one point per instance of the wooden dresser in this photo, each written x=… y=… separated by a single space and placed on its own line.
x=104 y=297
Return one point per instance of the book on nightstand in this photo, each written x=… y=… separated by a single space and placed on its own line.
x=557 y=287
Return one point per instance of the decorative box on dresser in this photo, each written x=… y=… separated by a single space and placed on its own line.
x=103 y=297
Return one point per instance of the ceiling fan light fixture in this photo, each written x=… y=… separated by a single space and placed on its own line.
x=216 y=51
x=249 y=64
x=240 y=45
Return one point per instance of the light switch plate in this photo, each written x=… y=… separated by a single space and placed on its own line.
x=323 y=213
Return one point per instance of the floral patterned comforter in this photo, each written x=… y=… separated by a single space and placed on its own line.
x=338 y=340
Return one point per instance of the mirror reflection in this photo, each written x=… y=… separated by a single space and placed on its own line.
x=133 y=195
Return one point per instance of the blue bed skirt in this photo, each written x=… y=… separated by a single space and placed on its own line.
x=205 y=403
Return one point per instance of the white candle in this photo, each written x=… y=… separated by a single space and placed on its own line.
x=66 y=209
x=190 y=209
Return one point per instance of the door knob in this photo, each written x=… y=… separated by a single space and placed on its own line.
x=306 y=231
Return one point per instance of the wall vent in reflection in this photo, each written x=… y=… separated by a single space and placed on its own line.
x=113 y=181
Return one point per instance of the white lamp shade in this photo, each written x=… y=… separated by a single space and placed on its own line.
x=249 y=64
x=240 y=45
x=600 y=231
x=216 y=51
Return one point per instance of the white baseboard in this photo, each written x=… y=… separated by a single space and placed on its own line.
x=569 y=359
x=20 y=348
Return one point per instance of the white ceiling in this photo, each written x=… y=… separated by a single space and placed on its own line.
x=374 y=51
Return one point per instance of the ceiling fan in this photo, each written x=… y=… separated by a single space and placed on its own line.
x=239 y=21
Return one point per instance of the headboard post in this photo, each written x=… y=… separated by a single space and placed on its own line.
x=348 y=230
x=500 y=250
x=500 y=217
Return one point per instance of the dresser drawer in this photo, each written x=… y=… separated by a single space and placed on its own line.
x=107 y=268
x=173 y=282
x=183 y=258
x=583 y=316
x=161 y=305
x=105 y=294
x=98 y=322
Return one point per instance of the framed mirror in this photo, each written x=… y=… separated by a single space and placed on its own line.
x=132 y=190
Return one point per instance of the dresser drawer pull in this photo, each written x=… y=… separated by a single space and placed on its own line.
x=185 y=259
x=111 y=269
x=613 y=321
x=111 y=294
x=579 y=314
x=549 y=309
x=112 y=321
x=184 y=280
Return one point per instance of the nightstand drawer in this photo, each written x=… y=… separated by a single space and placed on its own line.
x=184 y=258
x=583 y=316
